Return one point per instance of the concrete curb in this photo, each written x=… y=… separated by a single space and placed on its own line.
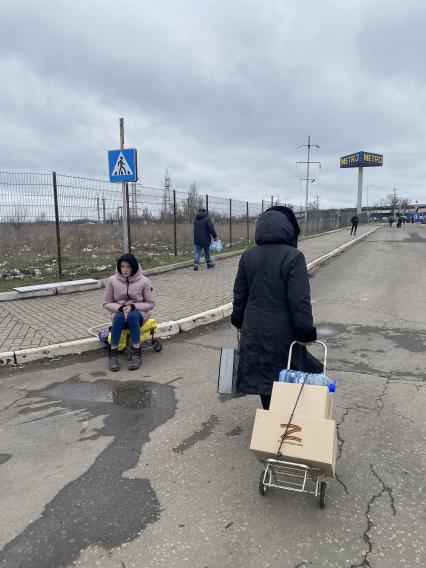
x=339 y=250
x=14 y=295
x=165 y=330
x=72 y=347
x=7 y=358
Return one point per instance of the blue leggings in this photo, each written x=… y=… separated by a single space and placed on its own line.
x=134 y=322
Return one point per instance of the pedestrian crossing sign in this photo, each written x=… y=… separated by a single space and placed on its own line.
x=123 y=165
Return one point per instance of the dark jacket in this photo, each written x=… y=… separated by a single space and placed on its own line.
x=203 y=228
x=354 y=220
x=272 y=305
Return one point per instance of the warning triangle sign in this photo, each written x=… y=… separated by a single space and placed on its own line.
x=121 y=167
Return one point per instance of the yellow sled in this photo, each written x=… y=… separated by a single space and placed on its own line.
x=147 y=334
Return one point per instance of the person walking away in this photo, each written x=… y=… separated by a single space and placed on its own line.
x=129 y=296
x=390 y=222
x=203 y=232
x=399 y=222
x=272 y=305
x=354 y=222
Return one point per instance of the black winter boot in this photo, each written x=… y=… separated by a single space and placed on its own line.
x=114 y=365
x=136 y=360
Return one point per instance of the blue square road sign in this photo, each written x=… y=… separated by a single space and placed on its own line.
x=122 y=165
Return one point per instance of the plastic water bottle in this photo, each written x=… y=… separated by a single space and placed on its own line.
x=317 y=379
x=299 y=377
x=289 y=376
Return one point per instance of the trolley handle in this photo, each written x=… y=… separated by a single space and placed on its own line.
x=325 y=354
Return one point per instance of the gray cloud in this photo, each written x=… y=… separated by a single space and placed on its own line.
x=218 y=92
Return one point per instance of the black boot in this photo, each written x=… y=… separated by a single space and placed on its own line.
x=210 y=264
x=136 y=360
x=114 y=365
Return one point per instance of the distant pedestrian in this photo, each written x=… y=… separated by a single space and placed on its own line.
x=203 y=232
x=391 y=221
x=399 y=222
x=129 y=296
x=354 y=222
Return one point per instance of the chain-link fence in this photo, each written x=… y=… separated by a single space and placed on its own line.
x=53 y=225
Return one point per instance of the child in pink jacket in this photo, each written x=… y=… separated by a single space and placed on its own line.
x=129 y=296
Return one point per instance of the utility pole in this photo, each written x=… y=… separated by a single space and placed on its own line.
x=368 y=210
x=168 y=208
x=308 y=162
x=394 y=201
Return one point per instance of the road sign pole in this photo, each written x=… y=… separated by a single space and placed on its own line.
x=123 y=188
x=359 y=202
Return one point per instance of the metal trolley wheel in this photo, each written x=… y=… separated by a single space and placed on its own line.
x=264 y=490
x=322 y=499
x=157 y=345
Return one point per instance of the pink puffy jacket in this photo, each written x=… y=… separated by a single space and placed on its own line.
x=136 y=290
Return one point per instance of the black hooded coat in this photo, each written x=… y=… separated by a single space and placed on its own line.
x=272 y=304
x=203 y=229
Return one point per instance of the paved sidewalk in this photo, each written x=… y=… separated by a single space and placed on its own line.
x=180 y=293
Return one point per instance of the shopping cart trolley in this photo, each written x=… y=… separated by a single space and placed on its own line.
x=294 y=476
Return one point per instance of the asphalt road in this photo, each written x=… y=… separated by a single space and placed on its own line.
x=153 y=469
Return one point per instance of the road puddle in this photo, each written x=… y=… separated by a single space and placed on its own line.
x=130 y=394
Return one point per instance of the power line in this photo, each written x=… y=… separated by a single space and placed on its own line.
x=345 y=150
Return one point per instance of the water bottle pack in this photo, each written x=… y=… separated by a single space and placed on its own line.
x=299 y=377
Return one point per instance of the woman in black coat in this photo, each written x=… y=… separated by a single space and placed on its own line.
x=272 y=305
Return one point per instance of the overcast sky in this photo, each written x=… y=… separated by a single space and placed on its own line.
x=218 y=91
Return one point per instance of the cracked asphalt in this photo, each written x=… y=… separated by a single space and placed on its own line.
x=153 y=468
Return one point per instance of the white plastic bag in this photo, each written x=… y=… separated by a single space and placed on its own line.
x=216 y=245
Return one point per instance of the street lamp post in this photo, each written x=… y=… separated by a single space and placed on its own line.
x=368 y=212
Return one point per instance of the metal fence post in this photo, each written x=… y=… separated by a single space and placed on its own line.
x=58 y=232
x=230 y=221
x=263 y=206
x=103 y=209
x=247 y=217
x=207 y=204
x=174 y=222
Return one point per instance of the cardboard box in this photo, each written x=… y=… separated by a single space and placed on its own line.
x=330 y=407
x=311 y=441
x=315 y=401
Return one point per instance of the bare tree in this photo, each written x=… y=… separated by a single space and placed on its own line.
x=19 y=217
x=404 y=203
x=393 y=201
x=41 y=219
x=146 y=214
x=192 y=203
